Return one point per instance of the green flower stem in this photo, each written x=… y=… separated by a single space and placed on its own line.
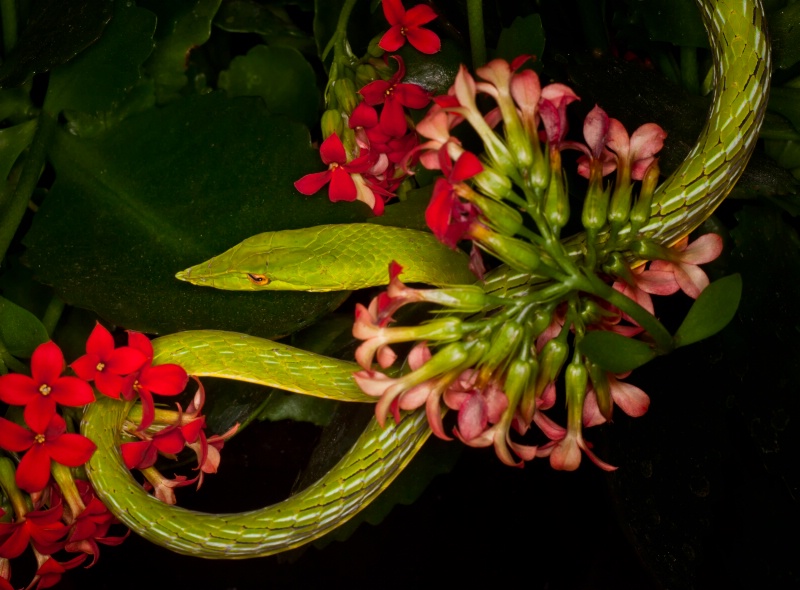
x=10 y=361
x=8 y=481
x=52 y=314
x=339 y=39
x=8 y=14
x=690 y=75
x=63 y=477
x=477 y=38
x=13 y=213
x=594 y=285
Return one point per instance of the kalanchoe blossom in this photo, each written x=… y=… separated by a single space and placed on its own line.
x=43 y=445
x=407 y=25
x=41 y=528
x=106 y=365
x=342 y=186
x=630 y=399
x=45 y=388
x=683 y=262
x=166 y=379
x=448 y=217
x=394 y=95
x=50 y=571
x=92 y=525
x=636 y=152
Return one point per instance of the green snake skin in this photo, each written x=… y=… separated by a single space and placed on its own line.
x=323 y=258
x=742 y=68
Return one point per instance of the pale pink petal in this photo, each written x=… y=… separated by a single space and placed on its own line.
x=630 y=399
x=704 y=249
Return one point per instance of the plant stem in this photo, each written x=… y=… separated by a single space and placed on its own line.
x=10 y=361
x=8 y=483
x=13 y=213
x=689 y=72
x=477 y=39
x=52 y=314
x=340 y=34
x=592 y=284
x=8 y=14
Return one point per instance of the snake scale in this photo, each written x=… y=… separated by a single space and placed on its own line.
x=741 y=53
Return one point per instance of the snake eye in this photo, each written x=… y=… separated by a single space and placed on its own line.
x=258 y=279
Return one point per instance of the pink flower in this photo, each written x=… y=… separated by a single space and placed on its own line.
x=683 y=264
x=342 y=186
x=45 y=388
x=105 y=364
x=637 y=152
x=407 y=25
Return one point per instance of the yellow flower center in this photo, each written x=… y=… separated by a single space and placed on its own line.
x=39 y=438
x=45 y=389
x=100 y=366
x=403 y=31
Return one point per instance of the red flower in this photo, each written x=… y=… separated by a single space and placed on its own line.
x=43 y=528
x=343 y=187
x=407 y=24
x=394 y=95
x=167 y=379
x=143 y=453
x=447 y=216
x=41 y=392
x=105 y=364
x=52 y=442
x=50 y=572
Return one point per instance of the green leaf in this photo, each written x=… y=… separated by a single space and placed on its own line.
x=187 y=25
x=57 y=31
x=100 y=78
x=13 y=142
x=170 y=188
x=279 y=75
x=784 y=30
x=435 y=73
x=525 y=36
x=20 y=330
x=786 y=101
x=713 y=310
x=614 y=352
x=301 y=408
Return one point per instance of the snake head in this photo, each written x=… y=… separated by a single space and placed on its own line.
x=265 y=262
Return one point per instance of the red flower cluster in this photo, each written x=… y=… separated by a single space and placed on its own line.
x=382 y=141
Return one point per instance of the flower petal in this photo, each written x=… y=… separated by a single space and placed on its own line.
x=47 y=363
x=71 y=449
x=423 y=40
x=33 y=471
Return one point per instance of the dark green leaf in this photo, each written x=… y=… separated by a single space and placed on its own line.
x=170 y=188
x=784 y=29
x=57 y=31
x=786 y=101
x=435 y=73
x=12 y=143
x=301 y=408
x=188 y=26
x=525 y=36
x=101 y=77
x=614 y=352
x=248 y=16
x=712 y=311
x=279 y=75
x=20 y=330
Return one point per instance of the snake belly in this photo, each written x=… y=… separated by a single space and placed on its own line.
x=742 y=68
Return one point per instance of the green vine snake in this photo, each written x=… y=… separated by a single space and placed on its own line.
x=740 y=46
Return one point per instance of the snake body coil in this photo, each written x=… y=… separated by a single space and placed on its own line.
x=742 y=70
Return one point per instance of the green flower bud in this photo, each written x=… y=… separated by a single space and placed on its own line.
x=497 y=215
x=527 y=405
x=373 y=49
x=517 y=379
x=504 y=343
x=551 y=359
x=601 y=387
x=540 y=320
x=365 y=73
x=576 y=378
x=439 y=329
x=617 y=266
x=492 y=183
x=332 y=123
x=467 y=298
x=556 y=198
x=649 y=250
x=591 y=312
x=346 y=95
x=517 y=254
x=620 y=207
x=595 y=207
x=640 y=214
